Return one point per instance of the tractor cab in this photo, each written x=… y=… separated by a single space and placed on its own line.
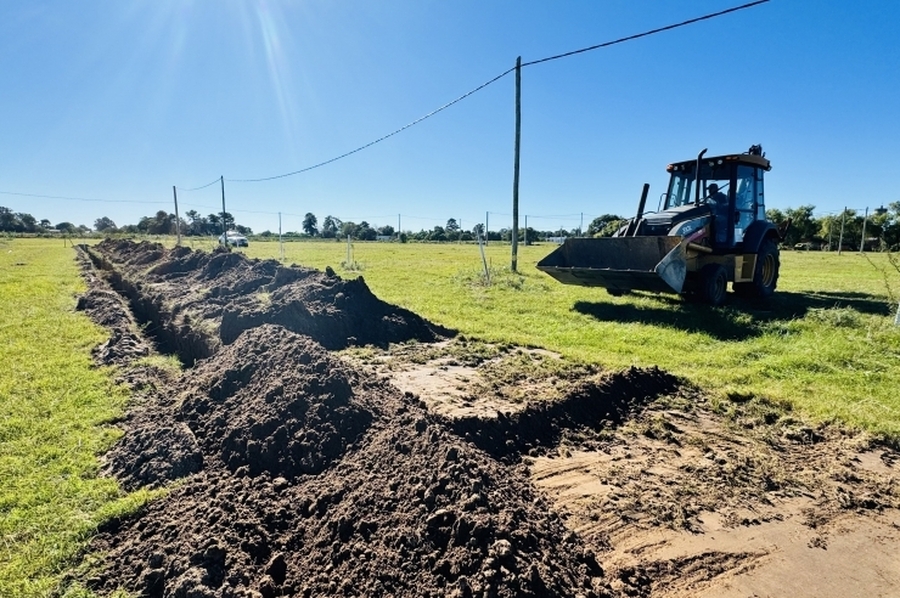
x=736 y=203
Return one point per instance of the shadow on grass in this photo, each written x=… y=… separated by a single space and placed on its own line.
x=738 y=319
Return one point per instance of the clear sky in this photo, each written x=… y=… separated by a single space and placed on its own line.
x=119 y=101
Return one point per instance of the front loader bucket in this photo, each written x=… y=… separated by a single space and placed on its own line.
x=620 y=263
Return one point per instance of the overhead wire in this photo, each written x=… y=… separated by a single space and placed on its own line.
x=645 y=33
x=201 y=186
x=495 y=79
x=380 y=139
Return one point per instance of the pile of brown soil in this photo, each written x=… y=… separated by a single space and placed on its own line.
x=195 y=301
x=300 y=474
x=316 y=482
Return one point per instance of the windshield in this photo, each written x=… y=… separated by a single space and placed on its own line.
x=681 y=185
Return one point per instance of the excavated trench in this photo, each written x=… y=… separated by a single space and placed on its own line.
x=152 y=315
x=301 y=475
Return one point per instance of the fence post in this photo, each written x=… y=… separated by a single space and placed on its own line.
x=177 y=219
x=224 y=224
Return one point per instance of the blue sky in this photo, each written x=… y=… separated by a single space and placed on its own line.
x=120 y=101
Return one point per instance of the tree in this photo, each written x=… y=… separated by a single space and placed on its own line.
x=162 y=223
x=452 y=225
x=46 y=223
x=10 y=221
x=803 y=227
x=330 y=227
x=104 y=224
x=197 y=224
x=605 y=225
x=891 y=227
x=66 y=227
x=437 y=234
x=310 y=224
x=29 y=222
x=386 y=231
x=478 y=230
x=349 y=229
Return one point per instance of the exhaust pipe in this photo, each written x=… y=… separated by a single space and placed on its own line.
x=697 y=178
x=640 y=212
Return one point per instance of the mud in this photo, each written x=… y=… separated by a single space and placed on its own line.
x=310 y=449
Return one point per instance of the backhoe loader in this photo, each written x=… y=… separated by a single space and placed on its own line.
x=710 y=229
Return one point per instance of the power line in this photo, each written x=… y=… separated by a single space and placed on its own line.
x=210 y=184
x=497 y=78
x=645 y=34
x=380 y=139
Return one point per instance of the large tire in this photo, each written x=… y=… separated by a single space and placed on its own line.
x=765 y=276
x=713 y=284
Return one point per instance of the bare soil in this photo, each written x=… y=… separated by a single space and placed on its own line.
x=320 y=442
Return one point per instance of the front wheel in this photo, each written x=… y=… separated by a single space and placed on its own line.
x=765 y=275
x=713 y=284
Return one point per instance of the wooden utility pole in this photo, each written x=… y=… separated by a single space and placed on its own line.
x=177 y=219
x=841 y=238
x=486 y=214
x=224 y=228
x=515 y=222
x=280 y=239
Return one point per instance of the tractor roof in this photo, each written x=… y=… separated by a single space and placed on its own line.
x=749 y=159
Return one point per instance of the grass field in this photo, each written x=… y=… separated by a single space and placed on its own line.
x=825 y=346
x=53 y=413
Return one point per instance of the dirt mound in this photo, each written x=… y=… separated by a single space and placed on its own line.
x=590 y=404
x=195 y=301
x=316 y=482
x=274 y=401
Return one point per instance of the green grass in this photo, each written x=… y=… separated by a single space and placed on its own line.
x=54 y=410
x=825 y=345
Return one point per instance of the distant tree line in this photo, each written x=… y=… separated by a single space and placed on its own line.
x=882 y=228
x=335 y=228
x=20 y=222
x=161 y=223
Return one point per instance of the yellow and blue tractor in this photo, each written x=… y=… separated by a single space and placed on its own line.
x=710 y=230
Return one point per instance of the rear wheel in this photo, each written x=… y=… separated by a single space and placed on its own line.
x=765 y=275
